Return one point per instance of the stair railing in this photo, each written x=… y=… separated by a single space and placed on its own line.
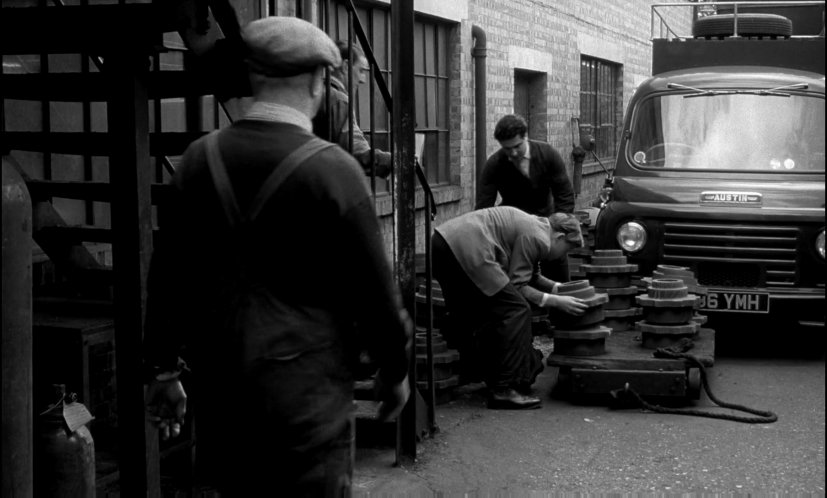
x=355 y=27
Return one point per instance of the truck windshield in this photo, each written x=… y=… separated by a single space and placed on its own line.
x=729 y=131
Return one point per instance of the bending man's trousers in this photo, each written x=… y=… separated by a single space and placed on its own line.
x=492 y=333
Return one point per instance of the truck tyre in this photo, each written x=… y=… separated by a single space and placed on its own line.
x=722 y=25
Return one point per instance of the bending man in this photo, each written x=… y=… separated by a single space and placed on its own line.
x=486 y=263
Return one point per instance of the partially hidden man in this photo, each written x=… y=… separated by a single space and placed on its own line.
x=527 y=174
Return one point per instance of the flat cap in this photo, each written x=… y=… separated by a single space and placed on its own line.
x=569 y=225
x=283 y=46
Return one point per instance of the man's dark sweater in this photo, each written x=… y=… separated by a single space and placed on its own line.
x=547 y=190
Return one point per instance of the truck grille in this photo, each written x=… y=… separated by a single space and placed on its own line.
x=733 y=255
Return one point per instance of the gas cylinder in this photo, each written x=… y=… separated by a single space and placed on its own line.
x=16 y=346
x=64 y=457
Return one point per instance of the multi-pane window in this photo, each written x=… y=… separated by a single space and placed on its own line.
x=600 y=103
x=431 y=91
x=431 y=83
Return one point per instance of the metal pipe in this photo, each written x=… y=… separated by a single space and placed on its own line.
x=479 y=55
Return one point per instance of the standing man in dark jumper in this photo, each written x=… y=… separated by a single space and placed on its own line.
x=529 y=175
x=486 y=263
x=265 y=224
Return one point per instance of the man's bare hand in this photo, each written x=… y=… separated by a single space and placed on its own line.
x=572 y=305
x=392 y=400
x=166 y=405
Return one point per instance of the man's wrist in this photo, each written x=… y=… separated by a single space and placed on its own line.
x=165 y=376
x=166 y=371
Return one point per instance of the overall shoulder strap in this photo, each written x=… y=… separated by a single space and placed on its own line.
x=285 y=168
x=221 y=179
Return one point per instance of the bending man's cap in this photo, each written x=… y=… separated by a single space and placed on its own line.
x=569 y=225
x=283 y=46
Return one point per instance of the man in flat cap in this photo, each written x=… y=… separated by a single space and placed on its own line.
x=332 y=123
x=243 y=287
x=486 y=263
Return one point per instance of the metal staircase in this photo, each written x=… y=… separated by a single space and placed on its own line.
x=96 y=143
x=94 y=138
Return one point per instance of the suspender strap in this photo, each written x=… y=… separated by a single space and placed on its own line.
x=221 y=179
x=284 y=169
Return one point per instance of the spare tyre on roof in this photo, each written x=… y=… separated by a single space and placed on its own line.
x=723 y=25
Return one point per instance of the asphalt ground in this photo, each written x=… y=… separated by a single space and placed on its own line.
x=569 y=447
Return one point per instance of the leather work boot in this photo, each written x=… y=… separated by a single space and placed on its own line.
x=509 y=399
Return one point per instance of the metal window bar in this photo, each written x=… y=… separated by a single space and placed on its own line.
x=350 y=117
x=372 y=112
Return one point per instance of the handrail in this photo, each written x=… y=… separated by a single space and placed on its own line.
x=363 y=40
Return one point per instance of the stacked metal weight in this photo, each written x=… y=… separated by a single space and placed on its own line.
x=668 y=309
x=580 y=335
x=446 y=361
x=609 y=273
x=688 y=277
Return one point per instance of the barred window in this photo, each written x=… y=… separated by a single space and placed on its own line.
x=601 y=103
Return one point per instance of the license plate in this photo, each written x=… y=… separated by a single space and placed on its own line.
x=743 y=302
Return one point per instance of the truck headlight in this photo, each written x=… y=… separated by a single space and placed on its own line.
x=820 y=244
x=632 y=237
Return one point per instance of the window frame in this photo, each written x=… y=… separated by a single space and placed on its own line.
x=601 y=100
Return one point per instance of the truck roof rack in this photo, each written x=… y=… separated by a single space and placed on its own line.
x=781 y=34
x=676 y=20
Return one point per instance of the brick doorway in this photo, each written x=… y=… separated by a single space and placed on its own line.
x=530 y=102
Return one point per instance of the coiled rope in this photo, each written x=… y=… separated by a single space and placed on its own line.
x=679 y=351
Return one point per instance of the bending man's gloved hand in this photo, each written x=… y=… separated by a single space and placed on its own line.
x=568 y=304
x=392 y=399
x=166 y=405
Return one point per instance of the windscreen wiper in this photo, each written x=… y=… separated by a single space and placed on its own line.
x=777 y=91
x=698 y=91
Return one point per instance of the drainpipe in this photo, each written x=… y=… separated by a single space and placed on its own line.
x=479 y=54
